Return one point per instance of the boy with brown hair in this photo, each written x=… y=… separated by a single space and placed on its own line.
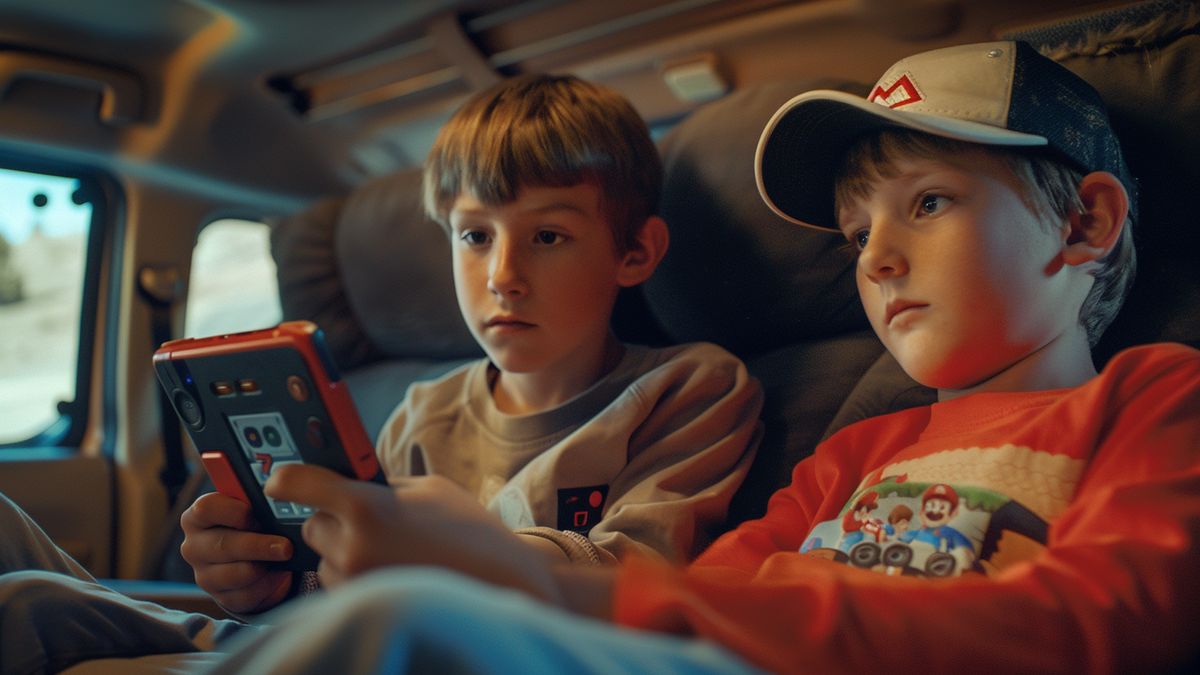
x=589 y=448
x=989 y=203
x=586 y=447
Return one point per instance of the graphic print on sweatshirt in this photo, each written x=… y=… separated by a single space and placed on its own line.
x=972 y=510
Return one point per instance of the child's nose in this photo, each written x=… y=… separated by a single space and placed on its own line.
x=504 y=273
x=882 y=257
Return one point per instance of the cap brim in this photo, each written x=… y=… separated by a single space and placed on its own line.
x=805 y=140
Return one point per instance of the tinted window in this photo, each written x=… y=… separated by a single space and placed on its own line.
x=45 y=222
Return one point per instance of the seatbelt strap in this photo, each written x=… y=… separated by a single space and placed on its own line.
x=160 y=287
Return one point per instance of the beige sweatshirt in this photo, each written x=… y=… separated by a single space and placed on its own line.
x=647 y=458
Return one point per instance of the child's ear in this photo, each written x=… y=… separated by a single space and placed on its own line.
x=648 y=249
x=1092 y=233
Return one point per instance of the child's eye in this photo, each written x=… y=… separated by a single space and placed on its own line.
x=474 y=238
x=932 y=203
x=859 y=238
x=548 y=237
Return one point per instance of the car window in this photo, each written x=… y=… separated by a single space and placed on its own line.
x=233 y=285
x=45 y=222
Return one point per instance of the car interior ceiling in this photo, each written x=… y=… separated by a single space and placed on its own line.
x=319 y=100
x=317 y=119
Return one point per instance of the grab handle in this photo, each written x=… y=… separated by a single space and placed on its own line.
x=120 y=92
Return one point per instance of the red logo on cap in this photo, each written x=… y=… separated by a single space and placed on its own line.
x=901 y=93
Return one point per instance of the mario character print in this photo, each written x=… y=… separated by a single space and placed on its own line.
x=896 y=524
x=858 y=525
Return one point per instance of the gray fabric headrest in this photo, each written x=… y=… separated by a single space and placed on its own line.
x=374 y=273
x=736 y=273
x=395 y=264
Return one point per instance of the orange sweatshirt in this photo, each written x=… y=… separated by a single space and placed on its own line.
x=1037 y=531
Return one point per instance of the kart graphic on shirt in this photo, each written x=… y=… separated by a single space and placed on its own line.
x=917 y=559
x=928 y=529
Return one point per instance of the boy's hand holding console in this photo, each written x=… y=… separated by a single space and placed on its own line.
x=280 y=438
x=254 y=402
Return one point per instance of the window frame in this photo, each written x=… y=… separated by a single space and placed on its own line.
x=69 y=429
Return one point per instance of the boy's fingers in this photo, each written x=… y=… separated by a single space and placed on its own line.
x=223 y=545
x=314 y=486
x=217 y=510
x=320 y=531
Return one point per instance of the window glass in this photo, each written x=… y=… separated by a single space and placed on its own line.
x=43 y=253
x=232 y=286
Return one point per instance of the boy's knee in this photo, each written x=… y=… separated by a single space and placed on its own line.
x=30 y=602
x=27 y=593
